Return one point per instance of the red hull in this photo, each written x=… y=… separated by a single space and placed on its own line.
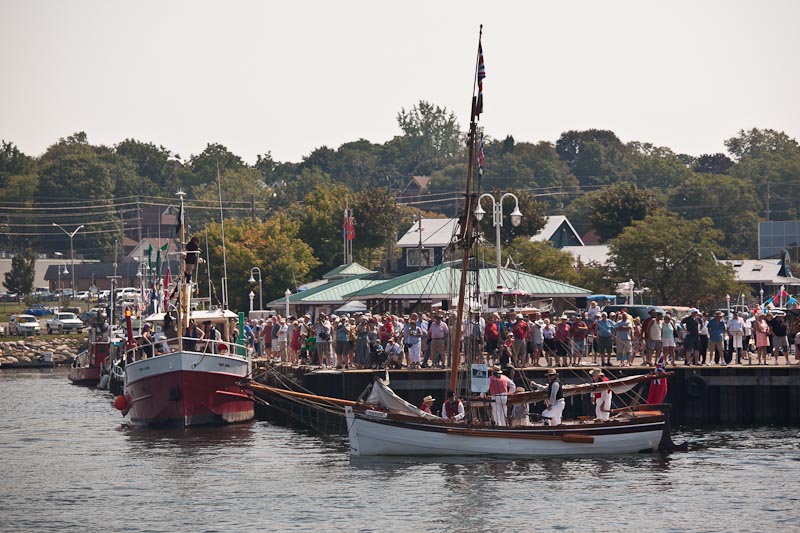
x=85 y=375
x=185 y=397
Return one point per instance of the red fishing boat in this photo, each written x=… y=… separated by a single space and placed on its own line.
x=87 y=368
x=183 y=381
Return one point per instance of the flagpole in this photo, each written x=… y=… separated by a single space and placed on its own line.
x=467 y=228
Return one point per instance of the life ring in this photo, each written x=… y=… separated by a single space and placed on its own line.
x=696 y=386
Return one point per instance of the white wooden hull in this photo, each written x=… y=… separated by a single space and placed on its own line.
x=374 y=435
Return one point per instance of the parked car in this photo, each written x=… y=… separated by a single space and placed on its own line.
x=103 y=295
x=23 y=325
x=82 y=295
x=38 y=310
x=91 y=316
x=64 y=323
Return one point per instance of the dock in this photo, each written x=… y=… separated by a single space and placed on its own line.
x=700 y=395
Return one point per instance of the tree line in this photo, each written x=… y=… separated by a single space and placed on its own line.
x=591 y=176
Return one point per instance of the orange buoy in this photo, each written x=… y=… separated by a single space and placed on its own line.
x=120 y=403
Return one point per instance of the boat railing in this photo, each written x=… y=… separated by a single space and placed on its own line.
x=164 y=346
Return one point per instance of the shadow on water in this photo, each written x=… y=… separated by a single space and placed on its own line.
x=190 y=440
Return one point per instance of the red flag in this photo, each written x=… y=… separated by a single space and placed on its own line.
x=658 y=387
x=351 y=228
x=166 y=291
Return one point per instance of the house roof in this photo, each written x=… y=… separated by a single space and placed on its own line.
x=352 y=269
x=597 y=253
x=759 y=271
x=552 y=225
x=332 y=292
x=442 y=281
x=436 y=233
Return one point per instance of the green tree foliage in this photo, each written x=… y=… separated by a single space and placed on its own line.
x=377 y=217
x=771 y=160
x=596 y=157
x=205 y=165
x=243 y=191
x=542 y=259
x=713 y=164
x=730 y=203
x=74 y=171
x=656 y=167
x=533 y=217
x=595 y=277
x=14 y=163
x=524 y=165
x=431 y=137
x=152 y=162
x=273 y=246
x=20 y=278
x=674 y=258
x=617 y=206
x=320 y=217
x=579 y=210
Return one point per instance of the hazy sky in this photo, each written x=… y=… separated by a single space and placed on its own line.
x=287 y=77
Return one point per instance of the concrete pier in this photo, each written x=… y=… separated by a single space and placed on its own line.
x=700 y=396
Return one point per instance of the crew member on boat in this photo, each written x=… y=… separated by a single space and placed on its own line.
x=520 y=414
x=500 y=386
x=427 y=402
x=554 y=402
x=602 y=398
x=192 y=255
x=453 y=408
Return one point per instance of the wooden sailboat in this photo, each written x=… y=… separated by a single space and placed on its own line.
x=387 y=425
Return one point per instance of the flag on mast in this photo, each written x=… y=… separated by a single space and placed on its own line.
x=480 y=158
x=179 y=224
x=481 y=75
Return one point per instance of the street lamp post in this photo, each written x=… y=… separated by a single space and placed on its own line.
x=71 y=251
x=251 y=296
x=497 y=221
x=287 y=294
x=61 y=291
x=260 y=291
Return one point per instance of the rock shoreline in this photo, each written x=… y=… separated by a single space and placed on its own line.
x=32 y=350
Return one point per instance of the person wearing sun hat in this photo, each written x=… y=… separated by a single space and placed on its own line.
x=554 y=402
x=500 y=386
x=427 y=402
x=601 y=398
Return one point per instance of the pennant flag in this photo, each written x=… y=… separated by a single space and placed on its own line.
x=179 y=225
x=351 y=228
x=166 y=291
x=481 y=75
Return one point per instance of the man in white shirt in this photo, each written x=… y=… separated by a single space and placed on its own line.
x=735 y=336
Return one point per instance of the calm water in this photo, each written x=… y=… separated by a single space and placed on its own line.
x=70 y=463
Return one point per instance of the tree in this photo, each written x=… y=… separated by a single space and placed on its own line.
x=432 y=136
x=617 y=206
x=215 y=159
x=656 y=167
x=376 y=215
x=152 y=162
x=713 y=164
x=320 y=219
x=596 y=157
x=273 y=246
x=675 y=258
x=14 y=163
x=756 y=143
x=731 y=203
x=542 y=259
x=533 y=217
x=20 y=278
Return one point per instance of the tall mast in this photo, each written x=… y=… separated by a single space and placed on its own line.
x=182 y=307
x=466 y=238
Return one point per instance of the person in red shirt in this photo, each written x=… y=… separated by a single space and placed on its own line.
x=562 y=337
x=492 y=337
x=579 y=331
x=520 y=330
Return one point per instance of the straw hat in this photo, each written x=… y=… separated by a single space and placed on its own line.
x=429 y=399
x=520 y=389
x=596 y=372
x=497 y=369
x=551 y=372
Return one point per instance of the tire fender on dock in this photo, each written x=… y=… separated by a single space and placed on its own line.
x=696 y=386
